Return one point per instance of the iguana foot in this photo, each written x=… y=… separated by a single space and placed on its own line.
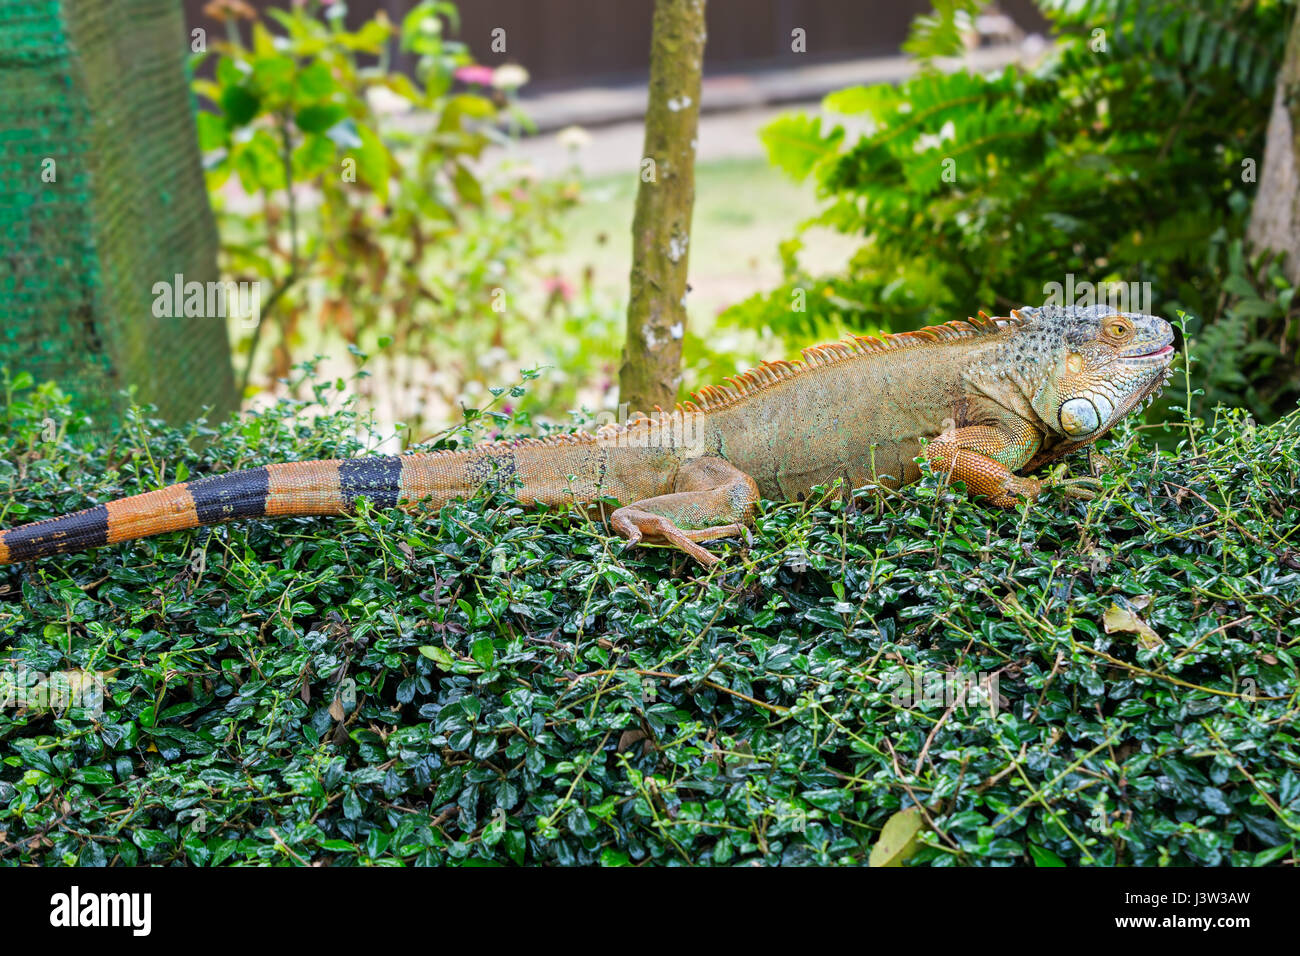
x=1084 y=489
x=1017 y=488
x=705 y=490
x=637 y=526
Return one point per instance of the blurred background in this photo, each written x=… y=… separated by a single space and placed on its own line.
x=571 y=154
x=576 y=44
x=439 y=196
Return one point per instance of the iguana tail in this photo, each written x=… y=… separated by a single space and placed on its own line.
x=301 y=488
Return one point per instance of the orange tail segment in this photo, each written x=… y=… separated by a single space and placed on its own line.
x=543 y=467
x=297 y=488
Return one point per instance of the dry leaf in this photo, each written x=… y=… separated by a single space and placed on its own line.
x=899 y=838
x=336 y=709
x=629 y=738
x=1122 y=616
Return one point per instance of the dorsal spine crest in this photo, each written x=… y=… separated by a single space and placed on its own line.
x=712 y=397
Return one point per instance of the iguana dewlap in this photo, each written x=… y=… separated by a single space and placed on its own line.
x=980 y=399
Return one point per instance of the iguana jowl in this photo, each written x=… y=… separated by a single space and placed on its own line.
x=990 y=396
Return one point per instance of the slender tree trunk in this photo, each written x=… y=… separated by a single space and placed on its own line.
x=661 y=229
x=1275 y=217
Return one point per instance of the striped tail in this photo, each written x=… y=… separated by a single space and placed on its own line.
x=298 y=488
x=552 y=471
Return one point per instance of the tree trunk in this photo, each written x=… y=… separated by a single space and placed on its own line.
x=1275 y=217
x=661 y=229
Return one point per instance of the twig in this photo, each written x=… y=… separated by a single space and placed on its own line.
x=291 y=203
x=775 y=708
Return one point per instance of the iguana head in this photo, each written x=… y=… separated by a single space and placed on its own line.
x=1095 y=365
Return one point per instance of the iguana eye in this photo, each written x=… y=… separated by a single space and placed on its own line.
x=1117 y=329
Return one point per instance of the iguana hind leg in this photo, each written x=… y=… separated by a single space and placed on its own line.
x=985 y=457
x=711 y=498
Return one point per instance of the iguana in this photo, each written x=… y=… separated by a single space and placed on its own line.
x=980 y=399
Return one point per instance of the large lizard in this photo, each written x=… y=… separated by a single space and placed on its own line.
x=979 y=399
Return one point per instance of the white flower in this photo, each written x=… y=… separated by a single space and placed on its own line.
x=573 y=138
x=509 y=77
x=930 y=141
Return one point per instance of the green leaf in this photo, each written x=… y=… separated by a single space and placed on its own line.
x=516 y=844
x=314 y=154
x=372 y=162
x=438 y=655
x=95 y=776
x=858 y=99
x=795 y=143
x=213 y=132
x=239 y=104
x=315 y=82
x=273 y=78
x=230 y=72
x=467 y=185
x=1044 y=857
x=483 y=651
x=1273 y=854
x=319 y=117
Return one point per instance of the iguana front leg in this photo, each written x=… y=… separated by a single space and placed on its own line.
x=985 y=457
x=711 y=498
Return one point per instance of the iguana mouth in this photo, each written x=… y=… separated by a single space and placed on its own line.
x=1158 y=353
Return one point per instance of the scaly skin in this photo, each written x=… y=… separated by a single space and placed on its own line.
x=980 y=399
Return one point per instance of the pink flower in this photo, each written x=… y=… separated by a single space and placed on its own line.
x=556 y=286
x=476 y=74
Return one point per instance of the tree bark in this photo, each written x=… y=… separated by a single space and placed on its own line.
x=661 y=228
x=1275 y=216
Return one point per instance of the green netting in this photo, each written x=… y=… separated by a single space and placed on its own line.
x=93 y=95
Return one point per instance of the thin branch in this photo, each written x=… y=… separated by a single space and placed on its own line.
x=289 y=280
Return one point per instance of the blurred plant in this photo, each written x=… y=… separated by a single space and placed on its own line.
x=372 y=214
x=1120 y=158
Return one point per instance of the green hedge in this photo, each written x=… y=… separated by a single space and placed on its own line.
x=503 y=686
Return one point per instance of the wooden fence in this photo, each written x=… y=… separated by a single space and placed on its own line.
x=575 y=42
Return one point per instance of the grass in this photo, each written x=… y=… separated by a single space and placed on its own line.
x=497 y=686
x=744 y=209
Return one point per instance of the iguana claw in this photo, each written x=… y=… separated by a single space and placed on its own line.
x=1016 y=488
x=1085 y=489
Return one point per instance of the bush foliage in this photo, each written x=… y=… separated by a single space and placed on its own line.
x=1129 y=155
x=493 y=685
